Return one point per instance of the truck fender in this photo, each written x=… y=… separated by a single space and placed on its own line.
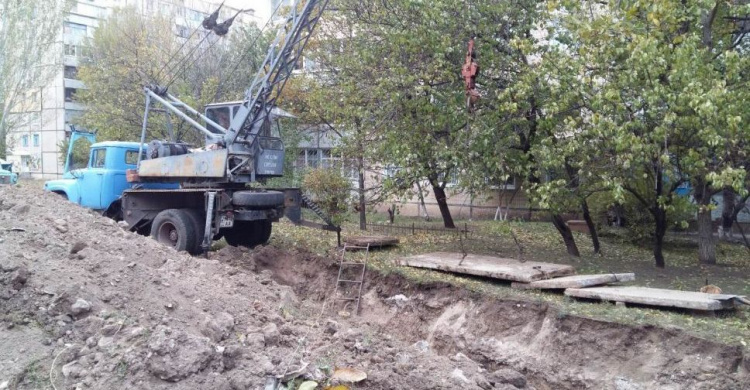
x=61 y=193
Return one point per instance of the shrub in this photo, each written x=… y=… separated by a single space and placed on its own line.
x=330 y=190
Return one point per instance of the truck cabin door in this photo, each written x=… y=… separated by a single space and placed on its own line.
x=92 y=179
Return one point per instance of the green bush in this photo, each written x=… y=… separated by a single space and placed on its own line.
x=639 y=223
x=330 y=190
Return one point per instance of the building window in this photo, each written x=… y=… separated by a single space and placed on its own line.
x=313 y=159
x=74 y=30
x=70 y=94
x=390 y=171
x=25 y=141
x=316 y=158
x=183 y=32
x=35 y=140
x=75 y=50
x=326 y=159
x=195 y=15
x=452 y=179
x=499 y=183
x=70 y=72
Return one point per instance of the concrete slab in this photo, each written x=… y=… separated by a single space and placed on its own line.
x=373 y=241
x=575 y=281
x=490 y=266
x=657 y=297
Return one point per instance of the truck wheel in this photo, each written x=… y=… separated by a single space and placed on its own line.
x=257 y=199
x=248 y=233
x=263 y=231
x=175 y=228
x=198 y=219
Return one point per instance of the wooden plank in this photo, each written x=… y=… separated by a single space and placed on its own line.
x=373 y=241
x=490 y=266
x=575 y=281
x=657 y=297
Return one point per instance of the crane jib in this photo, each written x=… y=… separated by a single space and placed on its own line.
x=249 y=150
x=276 y=69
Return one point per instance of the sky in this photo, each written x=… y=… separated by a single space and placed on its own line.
x=262 y=7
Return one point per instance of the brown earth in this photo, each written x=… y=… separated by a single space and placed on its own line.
x=85 y=304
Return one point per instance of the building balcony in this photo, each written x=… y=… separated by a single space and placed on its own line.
x=73 y=83
x=74 y=106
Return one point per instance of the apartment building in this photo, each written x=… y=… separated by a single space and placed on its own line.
x=34 y=146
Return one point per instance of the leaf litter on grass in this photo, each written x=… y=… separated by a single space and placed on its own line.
x=541 y=242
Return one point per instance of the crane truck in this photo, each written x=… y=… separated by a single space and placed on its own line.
x=186 y=198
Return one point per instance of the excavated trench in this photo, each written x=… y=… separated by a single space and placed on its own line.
x=552 y=350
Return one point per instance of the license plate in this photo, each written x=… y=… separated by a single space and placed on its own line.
x=226 y=221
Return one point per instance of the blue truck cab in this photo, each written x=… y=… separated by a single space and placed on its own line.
x=101 y=183
x=7 y=176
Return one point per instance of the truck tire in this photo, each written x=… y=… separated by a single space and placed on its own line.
x=257 y=199
x=198 y=219
x=263 y=229
x=248 y=233
x=175 y=228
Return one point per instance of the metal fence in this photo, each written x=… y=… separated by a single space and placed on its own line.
x=415 y=228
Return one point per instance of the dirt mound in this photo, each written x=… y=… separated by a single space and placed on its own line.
x=85 y=304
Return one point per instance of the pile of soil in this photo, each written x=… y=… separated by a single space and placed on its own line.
x=85 y=304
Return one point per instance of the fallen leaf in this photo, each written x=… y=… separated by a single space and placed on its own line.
x=309 y=385
x=349 y=375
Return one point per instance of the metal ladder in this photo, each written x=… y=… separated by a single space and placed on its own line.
x=361 y=281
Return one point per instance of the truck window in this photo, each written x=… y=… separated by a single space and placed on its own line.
x=131 y=157
x=97 y=158
x=219 y=115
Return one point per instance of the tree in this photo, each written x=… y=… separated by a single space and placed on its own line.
x=330 y=102
x=521 y=109
x=662 y=105
x=398 y=63
x=130 y=50
x=29 y=56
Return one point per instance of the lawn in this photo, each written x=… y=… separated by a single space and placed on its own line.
x=540 y=241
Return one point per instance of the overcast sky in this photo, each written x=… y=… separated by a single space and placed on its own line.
x=262 y=7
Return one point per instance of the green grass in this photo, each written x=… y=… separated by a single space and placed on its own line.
x=541 y=242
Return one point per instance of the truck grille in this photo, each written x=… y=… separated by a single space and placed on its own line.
x=4 y=179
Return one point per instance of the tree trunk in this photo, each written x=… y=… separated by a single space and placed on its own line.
x=706 y=241
x=742 y=233
x=727 y=213
x=361 y=191
x=592 y=226
x=567 y=235
x=442 y=202
x=660 y=217
x=421 y=202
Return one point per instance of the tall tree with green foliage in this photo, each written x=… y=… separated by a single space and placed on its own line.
x=659 y=101
x=130 y=50
x=395 y=82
